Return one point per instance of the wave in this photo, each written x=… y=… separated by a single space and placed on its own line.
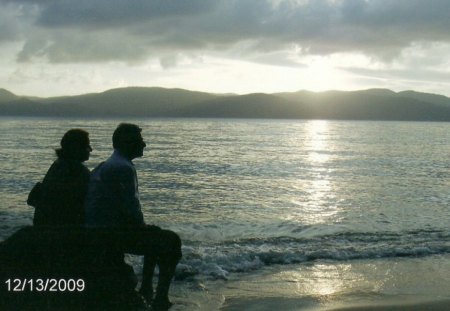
x=218 y=260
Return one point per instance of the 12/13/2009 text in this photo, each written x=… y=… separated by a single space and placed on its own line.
x=45 y=285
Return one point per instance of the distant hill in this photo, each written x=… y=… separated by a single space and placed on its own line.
x=426 y=97
x=244 y=106
x=7 y=96
x=372 y=104
x=132 y=101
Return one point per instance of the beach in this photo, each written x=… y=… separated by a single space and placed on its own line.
x=411 y=306
x=296 y=305
x=392 y=284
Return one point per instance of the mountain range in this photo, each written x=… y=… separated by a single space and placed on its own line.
x=372 y=104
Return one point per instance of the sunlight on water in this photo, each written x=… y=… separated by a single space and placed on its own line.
x=326 y=280
x=207 y=172
x=245 y=194
x=317 y=141
x=317 y=205
x=353 y=282
x=320 y=280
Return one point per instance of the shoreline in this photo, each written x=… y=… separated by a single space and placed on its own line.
x=290 y=304
x=394 y=284
x=438 y=305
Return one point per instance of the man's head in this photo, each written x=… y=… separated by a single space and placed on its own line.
x=128 y=140
x=75 y=145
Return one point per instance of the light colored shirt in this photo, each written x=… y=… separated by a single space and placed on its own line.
x=113 y=196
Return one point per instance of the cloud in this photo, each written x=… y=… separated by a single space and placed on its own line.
x=118 y=13
x=67 y=31
x=423 y=75
x=13 y=23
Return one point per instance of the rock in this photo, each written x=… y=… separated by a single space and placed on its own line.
x=63 y=269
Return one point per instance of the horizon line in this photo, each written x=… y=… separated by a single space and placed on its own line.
x=228 y=93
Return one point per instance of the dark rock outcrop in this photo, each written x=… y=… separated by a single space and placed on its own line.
x=33 y=260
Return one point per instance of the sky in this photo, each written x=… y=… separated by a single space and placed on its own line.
x=63 y=47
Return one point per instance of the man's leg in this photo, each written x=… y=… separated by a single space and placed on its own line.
x=168 y=258
x=146 y=289
x=159 y=247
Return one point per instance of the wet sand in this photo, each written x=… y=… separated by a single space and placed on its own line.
x=401 y=306
x=368 y=285
x=263 y=304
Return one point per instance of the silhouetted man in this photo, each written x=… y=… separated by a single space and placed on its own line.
x=113 y=209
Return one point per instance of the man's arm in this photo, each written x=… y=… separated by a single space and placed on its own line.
x=128 y=196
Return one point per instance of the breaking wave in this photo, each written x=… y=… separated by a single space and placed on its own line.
x=218 y=260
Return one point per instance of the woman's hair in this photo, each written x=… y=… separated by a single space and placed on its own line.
x=72 y=143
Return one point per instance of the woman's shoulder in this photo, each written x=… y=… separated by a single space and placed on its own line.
x=69 y=167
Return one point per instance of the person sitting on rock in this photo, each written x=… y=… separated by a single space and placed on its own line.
x=63 y=190
x=113 y=211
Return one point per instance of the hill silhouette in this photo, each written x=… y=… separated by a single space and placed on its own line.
x=7 y=96
x=372 y=104
x=245 y=106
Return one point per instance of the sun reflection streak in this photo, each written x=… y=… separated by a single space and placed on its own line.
x=314 y=191
x=321 y=280
x=316 y=141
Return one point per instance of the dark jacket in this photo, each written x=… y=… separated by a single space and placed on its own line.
x=63 y=192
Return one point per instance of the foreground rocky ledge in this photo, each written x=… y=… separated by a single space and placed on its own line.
x=62 y=269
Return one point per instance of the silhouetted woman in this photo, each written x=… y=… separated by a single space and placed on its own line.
x=65 y=184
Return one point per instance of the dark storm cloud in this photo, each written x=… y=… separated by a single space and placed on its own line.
x=13 y=22
x=119 y=13
x=101 y=30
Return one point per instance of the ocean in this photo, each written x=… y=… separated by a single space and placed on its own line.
x=288 y=214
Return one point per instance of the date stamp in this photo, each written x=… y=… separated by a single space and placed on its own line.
x=45 y=285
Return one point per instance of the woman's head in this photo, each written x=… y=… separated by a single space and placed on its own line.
x=75 y=145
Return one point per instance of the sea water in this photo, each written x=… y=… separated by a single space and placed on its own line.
x=267 y=200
